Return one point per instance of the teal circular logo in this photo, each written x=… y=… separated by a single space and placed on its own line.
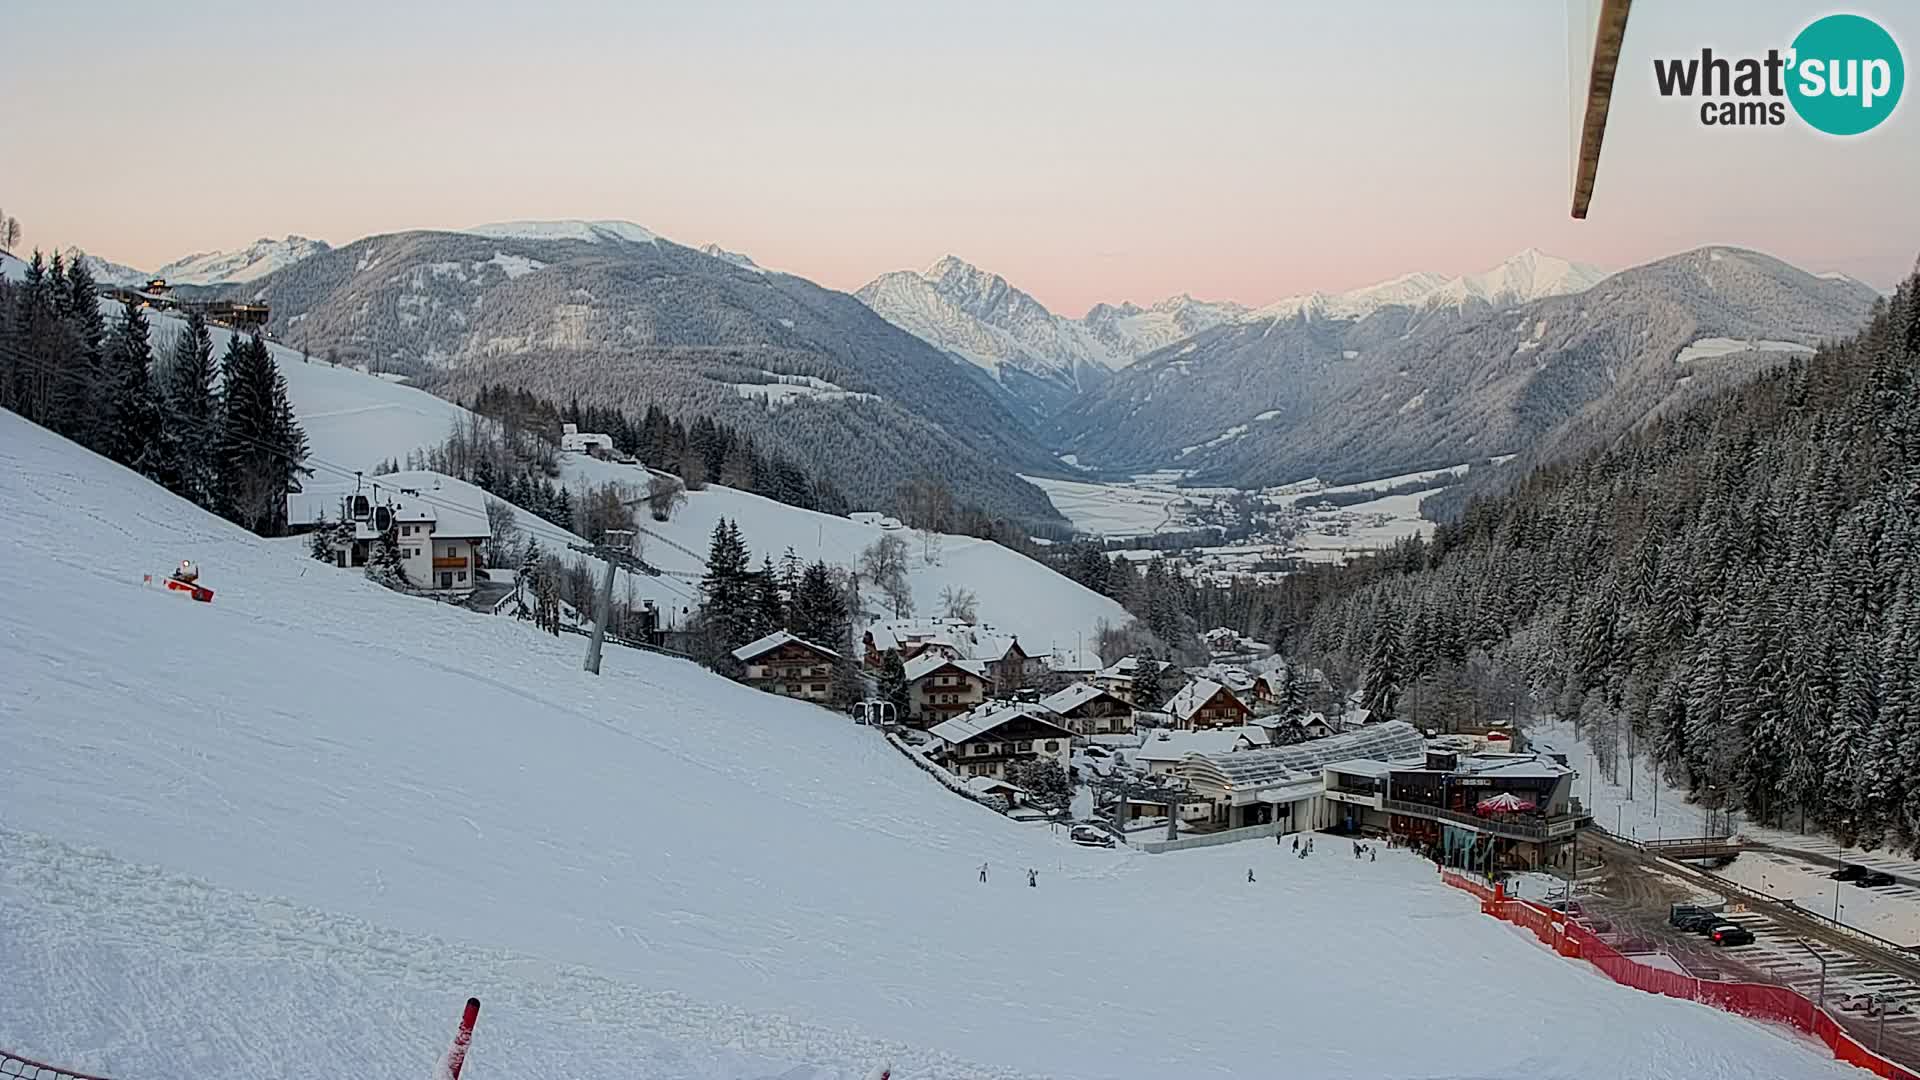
x=1846 y=76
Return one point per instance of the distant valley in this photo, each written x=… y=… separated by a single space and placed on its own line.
x=955 y=373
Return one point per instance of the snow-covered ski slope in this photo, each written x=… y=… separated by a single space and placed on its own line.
x=355 y=420
x=286 y=833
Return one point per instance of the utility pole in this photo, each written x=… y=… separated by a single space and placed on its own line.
x=616 y=550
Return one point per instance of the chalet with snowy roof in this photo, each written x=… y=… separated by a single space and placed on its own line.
x=441 y=532
x=940 y=688
x=984 y=741
x=1089 y=710
x=1117 y=679
x=783 y=664
x=1204 y=703
x=1008 y=665
x=1239 y=680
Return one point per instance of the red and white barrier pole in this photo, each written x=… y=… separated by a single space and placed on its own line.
x=457 y=1054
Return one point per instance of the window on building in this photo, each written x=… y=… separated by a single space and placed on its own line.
x=1026 y=745
x=450 y=552
x=977 y=748
x=818 y=688
x=1053 y=745
x=793 y=688
x=461 y=576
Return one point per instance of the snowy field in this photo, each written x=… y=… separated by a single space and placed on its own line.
x=288 y=832
x=1115 y=509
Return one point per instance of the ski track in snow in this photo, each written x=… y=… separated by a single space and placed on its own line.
x=331 y=995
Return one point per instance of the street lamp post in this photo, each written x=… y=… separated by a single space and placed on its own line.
x=1821 y=1001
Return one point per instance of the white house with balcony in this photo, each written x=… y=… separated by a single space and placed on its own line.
x=439 y=524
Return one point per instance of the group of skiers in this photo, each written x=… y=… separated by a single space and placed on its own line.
x=1033 y=876
x=1300 y=851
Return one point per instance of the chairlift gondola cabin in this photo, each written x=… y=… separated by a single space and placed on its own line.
x=360 y=507
x=382 y=518
x=875 y=712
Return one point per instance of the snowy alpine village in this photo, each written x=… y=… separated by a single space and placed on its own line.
x=868 y=565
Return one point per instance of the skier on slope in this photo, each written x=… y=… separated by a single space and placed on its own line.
x=1033 y=878
x=983 y=873
x=1249 y=875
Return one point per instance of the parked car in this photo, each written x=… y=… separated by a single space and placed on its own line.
x=1597 y=924
x=1679 y=913
x=1729 y=934
x=1703 y=924
x=1569 y=907
x=1095 y=750
x=1090 y=836
x=1848 y=871
x=1875 y=879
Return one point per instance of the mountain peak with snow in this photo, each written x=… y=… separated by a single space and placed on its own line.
x=734 y=257
x=1527 y=276
x=258 y=259
x=593 y=232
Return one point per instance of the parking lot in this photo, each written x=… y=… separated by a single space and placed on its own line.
x=1636 y=892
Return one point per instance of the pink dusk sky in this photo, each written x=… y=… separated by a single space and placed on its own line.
x=1087 y=151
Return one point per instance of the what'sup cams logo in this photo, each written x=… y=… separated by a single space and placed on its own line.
x=1842 y=76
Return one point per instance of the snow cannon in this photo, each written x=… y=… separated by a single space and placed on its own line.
x=186 y=580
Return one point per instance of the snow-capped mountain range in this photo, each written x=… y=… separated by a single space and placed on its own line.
x=593 y=232
x=980 y=317
x=258 y=259
x=1526 y=277
x=1042 y=357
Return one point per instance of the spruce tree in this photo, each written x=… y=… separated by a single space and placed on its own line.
x=729 y=602
x=893 y=683
x=1147 y=692
x=191 y=412
x=132 y=417
x=1380 y=686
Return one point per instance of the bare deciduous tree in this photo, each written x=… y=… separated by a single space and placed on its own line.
x=665 y=494
x=884 y=563
x=960 y=604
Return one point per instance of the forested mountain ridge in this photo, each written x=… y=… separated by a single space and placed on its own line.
x=626 y=323
x=1737 y=585
x=1270 y=400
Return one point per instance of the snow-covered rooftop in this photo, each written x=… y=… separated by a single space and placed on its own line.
x=1250 y=770
x=987 y=717
x=1176 y=745
x=1360 y=767
x=773 y=641
x=1065 y=701
x=1193 y=697
x=929 y=662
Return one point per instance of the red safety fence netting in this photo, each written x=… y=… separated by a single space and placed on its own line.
x=1779 y=1004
